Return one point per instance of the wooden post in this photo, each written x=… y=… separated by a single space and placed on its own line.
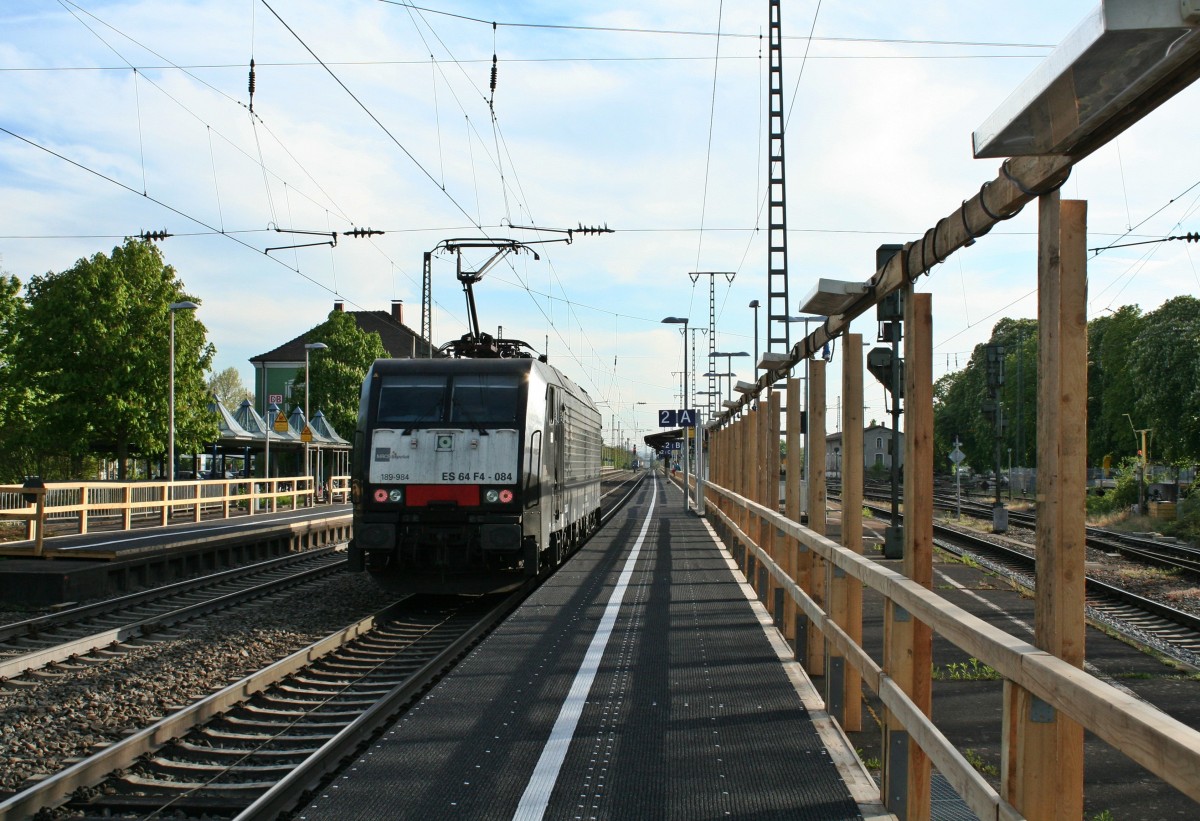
x=815 y=477
x=83 y=509
x=126 y=510
x=750 y=485
x=845 y=592
x=908 y=644
x=39 y=523
x=761 y=531
x=791 y=505
x=165 y=517
x=1042 y=761
x=771 y=539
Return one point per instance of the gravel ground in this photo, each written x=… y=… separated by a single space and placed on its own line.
x=62 y=717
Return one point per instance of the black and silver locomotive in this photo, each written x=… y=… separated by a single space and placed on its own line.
x=471 y=474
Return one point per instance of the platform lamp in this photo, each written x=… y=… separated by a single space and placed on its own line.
x=754 y=304
x=174 y=306
x=682 y=320
x=729 y=366
x=310 y=346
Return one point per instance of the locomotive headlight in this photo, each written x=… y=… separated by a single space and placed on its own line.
x=491 y=496
x=506 y=496
x=396 y=495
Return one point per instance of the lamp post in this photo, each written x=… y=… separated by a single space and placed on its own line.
x=682 y=320
x=729 y=365
x=309 y=346
x=174 y=306
x=754 y=305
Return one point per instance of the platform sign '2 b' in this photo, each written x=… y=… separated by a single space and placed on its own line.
x=682 y=418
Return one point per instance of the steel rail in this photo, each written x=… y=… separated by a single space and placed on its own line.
x=55 y=789
x=64 y=618
x=18 y=665
x=307 y=775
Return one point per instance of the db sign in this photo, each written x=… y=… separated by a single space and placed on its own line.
x=275 y=399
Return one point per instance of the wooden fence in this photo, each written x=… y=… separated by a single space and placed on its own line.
x=124 y=505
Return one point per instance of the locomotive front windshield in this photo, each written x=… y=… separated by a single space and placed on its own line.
x=466 y=399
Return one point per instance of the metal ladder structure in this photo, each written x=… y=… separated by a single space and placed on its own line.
x=778 y=329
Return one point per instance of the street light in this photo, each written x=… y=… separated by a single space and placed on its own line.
x=309 y=346
x=174 y=306
x=754 y=305
x=682 y=320
x=729 y=366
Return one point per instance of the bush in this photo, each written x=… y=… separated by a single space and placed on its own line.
x=1187 y=524
x=1122 y=497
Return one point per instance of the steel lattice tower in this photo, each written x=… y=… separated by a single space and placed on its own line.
x=427 y=301
x=778 y=329
x=712 y=332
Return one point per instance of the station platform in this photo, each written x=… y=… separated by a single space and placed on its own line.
x=103 y=563
x=642 y=680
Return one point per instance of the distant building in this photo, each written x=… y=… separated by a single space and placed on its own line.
x=877 y=450
x=275 y=371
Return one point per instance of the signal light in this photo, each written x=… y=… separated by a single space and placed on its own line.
x=381 y=495
x=506 y=496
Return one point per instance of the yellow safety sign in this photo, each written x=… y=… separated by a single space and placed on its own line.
x=306 y=434
x=281 y=423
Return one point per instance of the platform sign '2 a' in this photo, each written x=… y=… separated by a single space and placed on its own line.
x=682 y=418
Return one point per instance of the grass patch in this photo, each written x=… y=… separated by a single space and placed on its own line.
x=1190 y=595
x=872 y=763
x=970 y=670
x=982 y=767
x=1149 y=574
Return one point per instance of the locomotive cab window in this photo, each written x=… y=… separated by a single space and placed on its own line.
x=412 y=399
x=485 y=397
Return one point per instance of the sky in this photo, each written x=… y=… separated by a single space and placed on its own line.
x=649 y=118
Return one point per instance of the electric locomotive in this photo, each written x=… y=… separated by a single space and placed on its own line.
x=471 y=474
x=472 y=471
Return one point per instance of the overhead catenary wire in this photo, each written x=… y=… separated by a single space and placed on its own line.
x=695 y=33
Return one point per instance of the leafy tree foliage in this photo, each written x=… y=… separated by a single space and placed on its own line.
x=1112 y=386
x=1144 y=366
x=94 y=339
x=337 y=372
x=1164 y=363
x=16 y=398
x=228 y=387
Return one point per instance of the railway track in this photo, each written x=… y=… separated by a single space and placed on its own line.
x=254 y=748
x=1173 y=632
x=1156 y=552
x=89 y=634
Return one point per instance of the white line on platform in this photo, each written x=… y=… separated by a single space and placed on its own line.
x=537 y=793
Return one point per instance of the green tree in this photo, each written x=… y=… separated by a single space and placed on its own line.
x=338 y=371
x=228 y=387
x=1112 y=383
x=958 y=399
x=94 y=338
x=16 y=397
x=1165 y=362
